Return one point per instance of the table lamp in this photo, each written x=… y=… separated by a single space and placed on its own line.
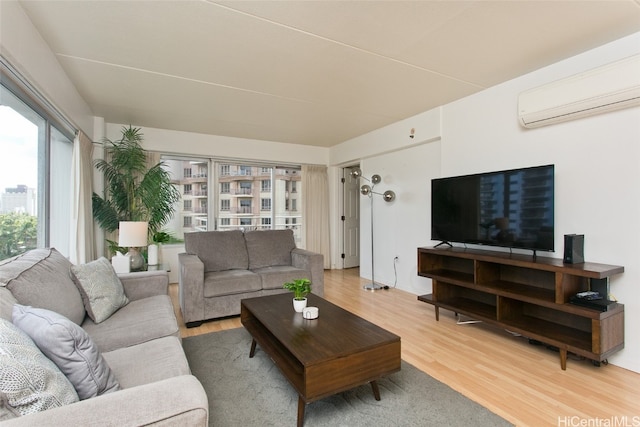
x=133 y=235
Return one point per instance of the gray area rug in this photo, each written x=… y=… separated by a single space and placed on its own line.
x=252 y=392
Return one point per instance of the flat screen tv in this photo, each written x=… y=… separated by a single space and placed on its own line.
x=510 y=208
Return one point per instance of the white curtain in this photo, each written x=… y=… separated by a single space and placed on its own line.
x=82 y=246
x=315 y=185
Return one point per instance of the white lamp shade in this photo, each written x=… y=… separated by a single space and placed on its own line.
x=133 y=234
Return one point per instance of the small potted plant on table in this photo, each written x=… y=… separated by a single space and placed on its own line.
x=300 y=289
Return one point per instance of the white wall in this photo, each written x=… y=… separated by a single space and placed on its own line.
x=597 y=180
x=197 y=144
x=404 y=224
x=27 y=51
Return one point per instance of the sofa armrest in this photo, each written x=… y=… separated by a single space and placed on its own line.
x=191 y=287
x=175 y=401
x=145 y=284
x=314 y=262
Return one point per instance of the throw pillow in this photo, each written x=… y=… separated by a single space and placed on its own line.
x=70 y=348
x=40 y=278
x=101 y=289
x=29 y=381
x=6 y=411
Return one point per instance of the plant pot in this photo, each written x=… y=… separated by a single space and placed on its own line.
x=299 y=304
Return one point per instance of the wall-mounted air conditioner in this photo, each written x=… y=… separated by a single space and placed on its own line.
x=607 y=88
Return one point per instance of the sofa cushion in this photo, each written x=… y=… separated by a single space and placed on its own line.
x=69 y=347
x=40 y=278
x=137 y=322
x=100 y=287
x=29 y=381
x=269 y=247
x=218 y=250
x=230 y=282
x=148 y=362
x=7 y=301
x=275 y=277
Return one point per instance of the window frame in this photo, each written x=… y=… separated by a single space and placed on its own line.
x=56 y=128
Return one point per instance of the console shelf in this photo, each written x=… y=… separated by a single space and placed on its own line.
x=527 y=295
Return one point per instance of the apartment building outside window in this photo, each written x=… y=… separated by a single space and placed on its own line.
x=239 y=196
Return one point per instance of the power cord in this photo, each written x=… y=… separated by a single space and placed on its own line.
x=395 y=272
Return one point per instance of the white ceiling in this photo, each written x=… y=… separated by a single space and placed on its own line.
x=307 y=72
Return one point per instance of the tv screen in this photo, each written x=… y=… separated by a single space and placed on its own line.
x=511 y=208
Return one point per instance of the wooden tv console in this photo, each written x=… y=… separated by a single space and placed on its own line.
x=527 y=295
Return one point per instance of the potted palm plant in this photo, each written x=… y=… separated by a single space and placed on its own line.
x=134 y=190
x=300 y=289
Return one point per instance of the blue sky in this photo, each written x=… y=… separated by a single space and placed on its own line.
x=19 y=150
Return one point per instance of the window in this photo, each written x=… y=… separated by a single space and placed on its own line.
x=236 y=201
x=35 y=169
x=245 y=187
x=293 y=186
x=242 y=205
x=245 y=206
x=194 y=195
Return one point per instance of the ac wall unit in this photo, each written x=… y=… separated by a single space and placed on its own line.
x=607 y=88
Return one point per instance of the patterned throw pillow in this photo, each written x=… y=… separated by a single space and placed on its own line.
x=70 y=348
x=29 y=381
x=101 y=289
x=6 y=411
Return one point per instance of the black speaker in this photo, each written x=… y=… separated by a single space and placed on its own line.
x=573 y=248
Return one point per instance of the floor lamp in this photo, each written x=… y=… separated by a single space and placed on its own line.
x=387 y=196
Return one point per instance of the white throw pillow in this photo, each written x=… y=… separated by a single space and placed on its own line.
x=29 y=381
x=70 y=348
x=101 y=289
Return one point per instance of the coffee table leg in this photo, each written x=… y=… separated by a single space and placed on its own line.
x=376 y=390
x=253 y=348
x=301 y=406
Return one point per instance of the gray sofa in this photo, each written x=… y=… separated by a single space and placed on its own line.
x=220 y=268
x=139 y=342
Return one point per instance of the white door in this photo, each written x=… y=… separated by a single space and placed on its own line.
x=351 y=220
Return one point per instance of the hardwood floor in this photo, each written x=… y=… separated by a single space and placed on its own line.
x=521 y=382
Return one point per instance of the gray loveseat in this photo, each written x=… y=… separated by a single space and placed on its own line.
x=139 y=342
x=220 y=268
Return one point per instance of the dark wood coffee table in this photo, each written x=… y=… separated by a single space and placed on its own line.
x=335 y=352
